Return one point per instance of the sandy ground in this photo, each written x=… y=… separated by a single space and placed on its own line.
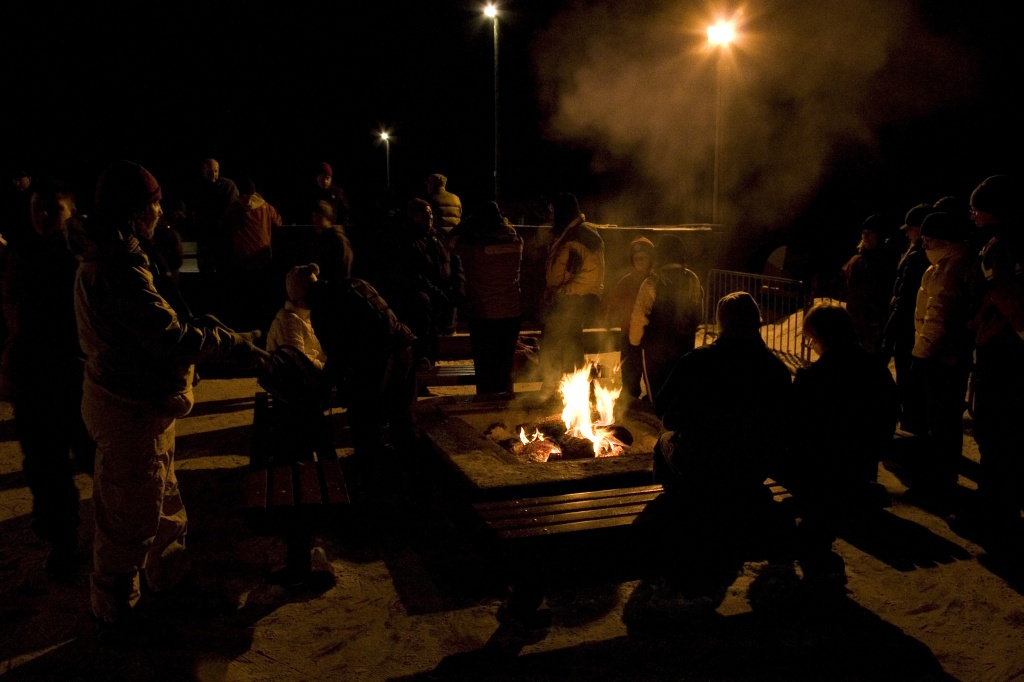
x=414 y=597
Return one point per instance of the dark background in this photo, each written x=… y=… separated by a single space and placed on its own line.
x=272 y=90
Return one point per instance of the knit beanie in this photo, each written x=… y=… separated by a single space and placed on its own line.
x=916 y=216
x=997 y=195
x=436 y=182
x=738 y=315
x=325 y=169
x=298 y=281
x=640 y=244
x=669 y=250
x=566 y=209
x=944 y=226
x=125 y=187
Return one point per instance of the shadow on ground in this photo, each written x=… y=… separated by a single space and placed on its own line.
x=843 y=643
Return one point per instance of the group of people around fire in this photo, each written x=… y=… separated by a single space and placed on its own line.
x=101 y=355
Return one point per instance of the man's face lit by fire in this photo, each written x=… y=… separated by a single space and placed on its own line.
x=324 y=181
x=211 y=170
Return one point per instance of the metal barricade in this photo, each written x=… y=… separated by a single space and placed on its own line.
x=782 y=302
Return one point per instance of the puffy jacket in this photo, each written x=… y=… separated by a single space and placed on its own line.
x=491 y=260
x=575 y=263
x=943 y=308
x=135 y=346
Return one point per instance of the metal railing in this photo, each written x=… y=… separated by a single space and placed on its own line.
x=782 y=302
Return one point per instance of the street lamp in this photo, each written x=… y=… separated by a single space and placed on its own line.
x=720 y=35
x=491 y=12
x=387 y=154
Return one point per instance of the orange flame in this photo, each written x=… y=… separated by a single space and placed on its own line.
x=578 y=408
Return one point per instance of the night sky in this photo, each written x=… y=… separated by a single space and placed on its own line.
x=831 y=112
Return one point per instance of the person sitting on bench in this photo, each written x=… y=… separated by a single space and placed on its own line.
x=291 y=326
x=845 y=409
x=723 y=406
x=369 y=357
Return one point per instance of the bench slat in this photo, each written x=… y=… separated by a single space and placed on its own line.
x=624 y=519
x=307 y=482
x=512 y=514
x=571 y=497
x=544 y=520
x=256 y=489
x=334 y=480
x=282 y=491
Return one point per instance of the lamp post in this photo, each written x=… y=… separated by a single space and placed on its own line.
x=720 y=35
x=387 y=155
x=491 y=12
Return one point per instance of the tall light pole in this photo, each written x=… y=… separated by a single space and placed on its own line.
x=491 y=12
x=720 y=35
x=387 y=154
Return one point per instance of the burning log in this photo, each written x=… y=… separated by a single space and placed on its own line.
x=537 y=451
x=576 y=448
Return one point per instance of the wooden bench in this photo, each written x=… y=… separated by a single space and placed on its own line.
x=294 y=480
x=609 y=531
x=544 y=516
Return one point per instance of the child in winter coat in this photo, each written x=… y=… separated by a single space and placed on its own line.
x=291 y=326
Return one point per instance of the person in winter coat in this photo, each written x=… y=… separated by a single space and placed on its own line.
x=942 y=354
x=139 y=367
x=869 y=280
x=723 y=407
x=421 y=281
x=41 y=371
x=291 y=326
x=369 y=359
x=491 y=253
x=999 y=369
x=666 y=313
x=618 y=306
x=574 y=273
x=845 y=407
x=446 y=207
x=898 y=337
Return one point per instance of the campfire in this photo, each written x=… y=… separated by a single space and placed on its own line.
x=584 y=430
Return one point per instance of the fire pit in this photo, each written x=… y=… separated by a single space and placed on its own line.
x=478 y=438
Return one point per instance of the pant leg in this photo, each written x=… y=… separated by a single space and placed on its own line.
x=631 y=364
x=494 y=347
x=140 y=519
x=46 y=433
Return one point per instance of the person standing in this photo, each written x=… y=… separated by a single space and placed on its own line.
x=491 y=253
x=666 y=313
x=327 y=191
x=41 y=370
x=999 y=369
x=942 y=355
x=447 y=207
x=898 y=336
x=618 y=306
x=869 y=280
x=212 y=197
x=574 y=275
x=139 y=368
